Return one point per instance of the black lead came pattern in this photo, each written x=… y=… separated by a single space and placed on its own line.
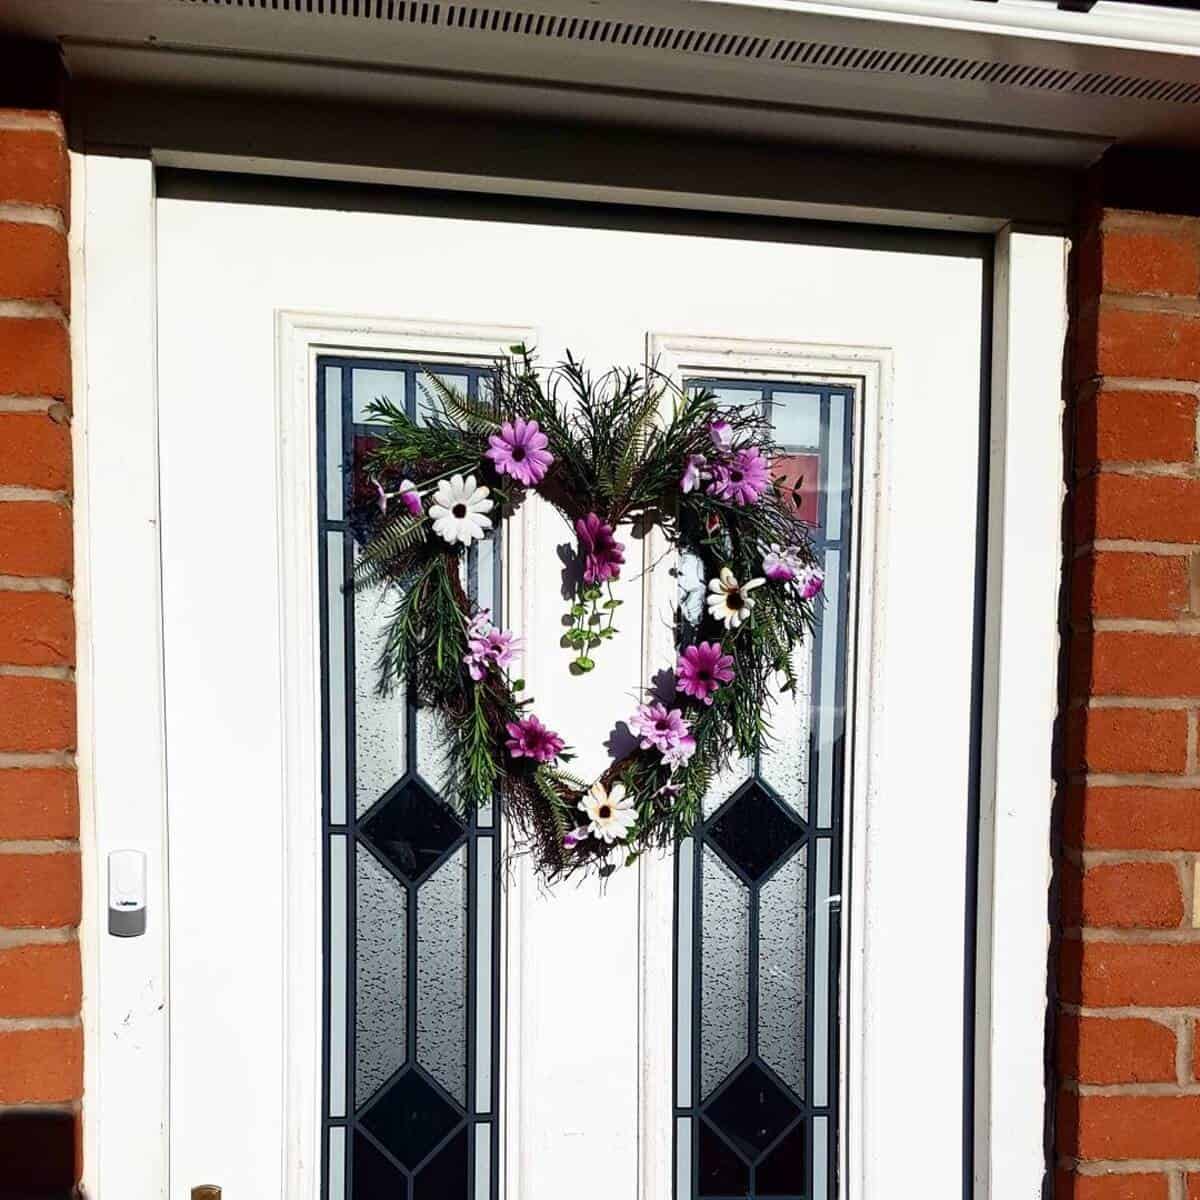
x=412 y=1137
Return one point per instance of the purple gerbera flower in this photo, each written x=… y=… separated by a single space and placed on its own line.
x=690 y=480
x=702 y=669
x=603 y=554
x=679 y=753
x=529 y=738
x=742 y=479
x=486 y=645
x=519 y=450
x=659 y=728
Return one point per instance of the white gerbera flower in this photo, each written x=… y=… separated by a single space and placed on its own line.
x=459 y=510
x=610 y=812
x=730 y=601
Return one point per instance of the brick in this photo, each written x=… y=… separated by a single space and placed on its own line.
x=1145 y=586
x=1193 y=1187
x=33 y=168
x=1147 y=345
x=1103 y=974
x=1137 y=508
x=35 y=451
x=1127 y=741
x=1150 y=262
x=1131 y=895
x=1112 y=1050
x=34 y=357
x=1130 y=818
x=38 y=802
x=37 y=629
x=33 y=263
x=1068 y=1186
x=1138 y=1127
x=35 y=539
x=41 y=1066
x=36 y=714
x=1136 y=664
x=40 y=980
x=1132 y=427
x=39 y=891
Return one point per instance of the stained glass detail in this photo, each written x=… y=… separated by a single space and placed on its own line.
x=755 y=831
x=752 y=1111
x=442 y=975
x=757 y=922
x=412 y=829
x=410 y=1119
x=781 y=972
x=412 y=906
x=380 y=979
x=724 y=971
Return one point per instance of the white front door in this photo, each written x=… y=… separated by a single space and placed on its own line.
x=369 y=999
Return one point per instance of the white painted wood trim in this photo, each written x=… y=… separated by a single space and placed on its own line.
x=300 y=338
x=118 y=611
x=867 y=370
x=1025 y=572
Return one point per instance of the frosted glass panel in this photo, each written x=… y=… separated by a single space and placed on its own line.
x=335 y=673
x=724 y=971
x=335 y=481
x=685 y=858
x=432 y=763
x=483 y=1161
x=337 y=974
x=379 y=721
x=785 y=765
x=380 y=983
x=483 y=952
x=370 y=385
x=725 y=783
x=821 y=951
x=781 y=981
x=337 y=1163
x=442 y=975
x=836 y=457
x=829 y=718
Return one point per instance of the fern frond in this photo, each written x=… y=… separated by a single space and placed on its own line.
x=476 y=415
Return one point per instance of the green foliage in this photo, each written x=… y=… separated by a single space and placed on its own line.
x=620 y=443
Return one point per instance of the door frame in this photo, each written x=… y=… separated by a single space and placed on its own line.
x=120 y=672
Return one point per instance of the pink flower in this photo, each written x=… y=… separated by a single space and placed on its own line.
x=575 y=836
x=812 y=580
x=702 y=669
x=529 y=738
x=519 y=450
x=781 y=566
x=742 y=479
x=690 y=480
x=678 y=754
x=487 y=645
x=657 y=727
x=603 y=554
x=721 y=433
x=410 y=497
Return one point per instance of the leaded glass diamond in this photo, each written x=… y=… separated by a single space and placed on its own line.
x=755 y=830
x=752 y=1111
x=412 y=829
x=410 y=1119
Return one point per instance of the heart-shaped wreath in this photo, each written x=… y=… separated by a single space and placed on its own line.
x=622 y=448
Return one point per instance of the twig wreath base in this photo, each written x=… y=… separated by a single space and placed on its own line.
x=606 y=451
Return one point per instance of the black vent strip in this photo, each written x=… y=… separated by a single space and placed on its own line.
x=823 y=56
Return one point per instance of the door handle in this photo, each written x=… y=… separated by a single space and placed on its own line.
x=206 y=1191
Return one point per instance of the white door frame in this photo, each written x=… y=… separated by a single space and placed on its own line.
x=122 y=739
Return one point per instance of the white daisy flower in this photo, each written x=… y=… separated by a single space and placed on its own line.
x=610 y=812
x=459 y=510
x=730 y=601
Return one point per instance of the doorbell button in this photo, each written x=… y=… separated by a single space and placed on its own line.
x=126 y=893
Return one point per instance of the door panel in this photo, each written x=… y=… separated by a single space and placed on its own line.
x=575 y=1071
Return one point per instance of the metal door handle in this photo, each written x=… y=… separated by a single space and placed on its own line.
x=206 y=1191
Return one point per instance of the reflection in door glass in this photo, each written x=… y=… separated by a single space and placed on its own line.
x=410 y=1092
x=757 y=883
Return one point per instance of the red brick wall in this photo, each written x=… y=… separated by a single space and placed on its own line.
x=1128 y=1055
x=41 y=1051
